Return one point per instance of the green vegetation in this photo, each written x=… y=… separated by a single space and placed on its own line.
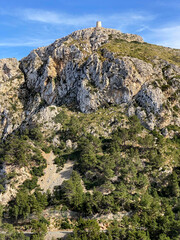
x=144 y=51
x=14 y=151
x=39 y=228
x=65 y=224
x=86 y=229
x=61 y=117
x=7 y=230
x=30 y=183
x=10 y=233
x=126 y=172
x=17 y=149
x=132 y=170
x=25 y=203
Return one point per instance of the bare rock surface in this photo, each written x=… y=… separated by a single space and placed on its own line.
x=52 y=177
x=22 y=174
x=77 y=71
x=11 y=107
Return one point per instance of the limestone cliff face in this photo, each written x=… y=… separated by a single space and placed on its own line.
x=76 y=70
x=65 y=67
x=11 y=107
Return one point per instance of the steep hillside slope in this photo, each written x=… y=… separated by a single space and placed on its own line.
x=11 y=107
x=90 y=128
x=94 y=68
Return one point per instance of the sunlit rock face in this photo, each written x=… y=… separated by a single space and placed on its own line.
x=11 y=107
x=78 y=71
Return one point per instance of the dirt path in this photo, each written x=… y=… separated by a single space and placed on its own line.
x=60 y=234
x=51 y=177
x=50 y=235
x=57 y=234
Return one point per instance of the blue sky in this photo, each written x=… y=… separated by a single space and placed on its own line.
x=25 y=25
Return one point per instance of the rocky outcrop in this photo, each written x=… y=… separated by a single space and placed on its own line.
x=150 y=98
x=78 y=71
x=11 y=107
x=63 y=68
x=21 y=174
x=8 y=69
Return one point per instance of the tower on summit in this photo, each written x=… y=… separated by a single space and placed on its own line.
x=98 y=24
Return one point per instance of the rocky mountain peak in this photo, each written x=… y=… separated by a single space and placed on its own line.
x=65 y=56
x=93 y=68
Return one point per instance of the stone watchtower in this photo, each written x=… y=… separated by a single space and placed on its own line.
x=98 y=24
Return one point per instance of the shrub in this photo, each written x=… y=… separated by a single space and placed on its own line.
x=46 y=149
x=30 y=183
x=61 y=117
x=59 y=161
x=66 y=225
x=35 y=134
x=38 y=171
x=164 y=87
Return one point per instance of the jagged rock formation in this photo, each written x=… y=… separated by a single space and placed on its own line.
x=81 y=71
x=64 y=67
x=11 y=108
